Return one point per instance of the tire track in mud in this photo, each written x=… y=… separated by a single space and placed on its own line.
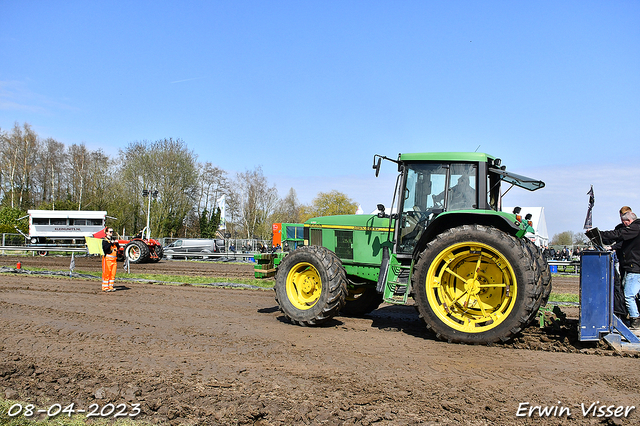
x=75 y=327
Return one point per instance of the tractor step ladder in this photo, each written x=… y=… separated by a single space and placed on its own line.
x=597 y=319
x=394 y=279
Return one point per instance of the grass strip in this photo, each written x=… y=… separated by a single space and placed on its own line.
x=162 y=278
x=564 y=297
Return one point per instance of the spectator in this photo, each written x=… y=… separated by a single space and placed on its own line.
x=617 y=247
x=628 y=236
x=576 y=253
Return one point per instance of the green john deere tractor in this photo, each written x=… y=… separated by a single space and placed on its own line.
x=472 y=274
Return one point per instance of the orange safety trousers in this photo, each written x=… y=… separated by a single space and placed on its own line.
x=109 y=266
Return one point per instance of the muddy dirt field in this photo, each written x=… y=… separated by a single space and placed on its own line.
x=205 y=355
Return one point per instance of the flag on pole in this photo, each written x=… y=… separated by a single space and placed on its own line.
x=100 y=234
x=588 y=222
x=221 y=204
x=94 y=245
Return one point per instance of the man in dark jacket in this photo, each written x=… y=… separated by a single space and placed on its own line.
x=629 y=238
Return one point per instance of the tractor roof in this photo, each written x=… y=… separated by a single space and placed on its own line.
x=479 y=157
x=446 y=156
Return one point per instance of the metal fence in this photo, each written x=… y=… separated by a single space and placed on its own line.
x=11 y=244
x=564 y=266
x=231 y=245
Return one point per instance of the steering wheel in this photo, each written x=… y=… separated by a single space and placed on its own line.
x=419 y=216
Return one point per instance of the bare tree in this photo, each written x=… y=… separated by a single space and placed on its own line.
x=288 y=209
x=213 y=183
x=4 y=144
x=10 y=149
x=49 y=171
x=17 y=157
x=166 y=166
x=233 y=214
x=30 y=148
x=79 y=159
x=257 y=201
x=101 y=174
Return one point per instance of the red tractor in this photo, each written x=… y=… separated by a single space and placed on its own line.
x=138 y=249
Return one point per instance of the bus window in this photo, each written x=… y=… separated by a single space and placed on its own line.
x=40 y=221
x=58 y=221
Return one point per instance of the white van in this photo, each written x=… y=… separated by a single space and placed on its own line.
x=186 y=248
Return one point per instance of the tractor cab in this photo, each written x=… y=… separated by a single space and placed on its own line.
x=430 y=189
x=433 y=184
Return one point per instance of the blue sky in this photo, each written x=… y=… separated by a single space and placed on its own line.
x=311 y=90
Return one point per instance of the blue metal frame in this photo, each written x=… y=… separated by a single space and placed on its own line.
x=597 y=319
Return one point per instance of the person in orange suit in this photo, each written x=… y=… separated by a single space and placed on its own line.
x=109 y=261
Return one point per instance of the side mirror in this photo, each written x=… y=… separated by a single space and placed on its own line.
x=380 y=210
x=376 y=165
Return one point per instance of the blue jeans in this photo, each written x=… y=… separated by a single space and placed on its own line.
x=631 y=288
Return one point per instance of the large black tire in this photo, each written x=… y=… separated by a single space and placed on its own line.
x=542 y=272
x=476 y=284
x=360 y=301
x=137 y=252
x=159 y=252
x=311 y=285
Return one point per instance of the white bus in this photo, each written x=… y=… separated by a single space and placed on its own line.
x=64 y=224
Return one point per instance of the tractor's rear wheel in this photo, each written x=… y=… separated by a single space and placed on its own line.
x=542 y=273
x=360 y=301
x=137 y=252
x=475 y=284
x=311 y=285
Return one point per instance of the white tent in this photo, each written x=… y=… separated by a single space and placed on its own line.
x=541 y=236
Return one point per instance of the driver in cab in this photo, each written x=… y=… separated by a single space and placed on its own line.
x=461 y=196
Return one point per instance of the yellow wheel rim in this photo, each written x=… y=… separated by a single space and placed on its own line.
x=471 y=287
x=303 y=286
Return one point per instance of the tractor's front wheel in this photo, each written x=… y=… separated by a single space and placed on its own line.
x=475 y=284
x=311 y=285
x=159 y=254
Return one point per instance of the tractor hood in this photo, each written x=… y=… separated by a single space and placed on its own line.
x=361 y=222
